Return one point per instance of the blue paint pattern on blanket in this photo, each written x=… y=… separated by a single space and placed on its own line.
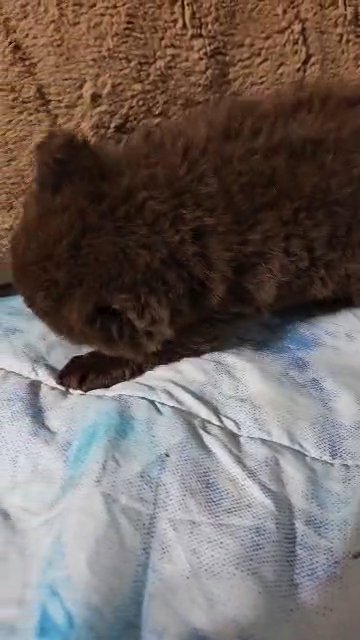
x=55 y=622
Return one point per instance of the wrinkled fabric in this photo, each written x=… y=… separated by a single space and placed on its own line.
x=215 y=498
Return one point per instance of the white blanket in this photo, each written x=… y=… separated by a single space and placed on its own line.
x=213 y=499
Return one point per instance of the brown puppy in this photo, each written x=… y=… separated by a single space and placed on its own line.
x=242 y=206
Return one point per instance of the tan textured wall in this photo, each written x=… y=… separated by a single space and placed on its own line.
x=104 y=65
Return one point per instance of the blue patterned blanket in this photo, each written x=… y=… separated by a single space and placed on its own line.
x=214 y=499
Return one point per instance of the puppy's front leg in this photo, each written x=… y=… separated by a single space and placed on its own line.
x=95 y=370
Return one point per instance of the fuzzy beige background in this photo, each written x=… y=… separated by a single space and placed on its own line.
x=104 y=65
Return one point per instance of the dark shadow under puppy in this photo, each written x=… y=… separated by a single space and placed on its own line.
x=239 y=209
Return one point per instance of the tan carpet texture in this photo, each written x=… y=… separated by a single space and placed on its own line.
x=104 y=65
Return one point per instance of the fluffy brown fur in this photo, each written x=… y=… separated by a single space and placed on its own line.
x=243 y=206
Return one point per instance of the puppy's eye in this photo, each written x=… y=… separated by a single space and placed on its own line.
x=109 y=321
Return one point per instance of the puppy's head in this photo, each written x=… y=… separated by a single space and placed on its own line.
x=66 y=251
x=47 y=244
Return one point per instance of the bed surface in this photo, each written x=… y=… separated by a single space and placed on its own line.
x=216 y=498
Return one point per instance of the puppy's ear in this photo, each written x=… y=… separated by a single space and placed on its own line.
x=62 y=158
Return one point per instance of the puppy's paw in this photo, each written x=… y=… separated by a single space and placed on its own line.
x=92 y=371
x=77 y=374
